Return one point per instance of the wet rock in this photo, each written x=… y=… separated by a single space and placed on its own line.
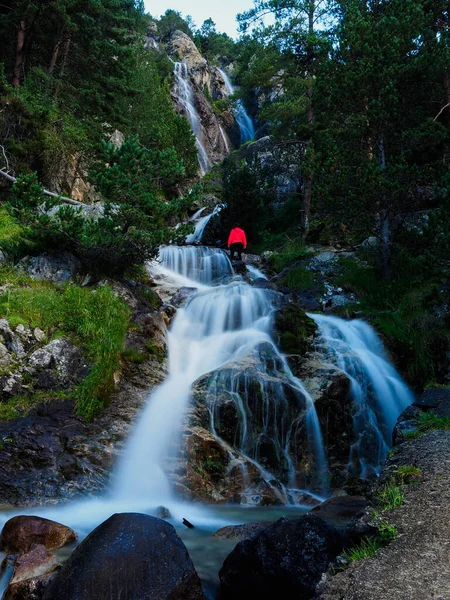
x=182 y=296
x=241 y=532
x=163 y=513
x=34 y=563
x=20 y=533
x=406 y=423
x=436 y=399
x=59 y=267
x=294 y=329
x=288 y=555
x=340 y=509
x=141 y=556
x=361 y=526
x=29 y=589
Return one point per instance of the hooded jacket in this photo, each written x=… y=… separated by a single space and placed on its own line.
x=237 y=235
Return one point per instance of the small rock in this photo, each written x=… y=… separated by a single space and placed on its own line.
x=20 y=533
x=370 y=242
x=5 y=358
x=163 y=513
x=40 y=359
x=34 y=563
x=39 y=334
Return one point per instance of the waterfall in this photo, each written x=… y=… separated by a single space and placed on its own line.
x=378 y=393
x=243 y=119
x=198 y=264
x=200 y=224
x=184 y=93
x=223 y=329
x=255 y=273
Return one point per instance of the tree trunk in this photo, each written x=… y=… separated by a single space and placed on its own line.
x=54 y=56
x=386 y=243
x=308 y=181
x=67 y=40
x=19 y=54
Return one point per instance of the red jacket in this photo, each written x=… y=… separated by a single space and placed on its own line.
x=237 y=235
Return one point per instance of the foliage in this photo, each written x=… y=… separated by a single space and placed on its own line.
x=390 y=497
x=172 y=21
x=370 y=546
x=291 y=251
x=430 y=421
x=298 y=279
x=407 y=474
x=213 y=44
x=96 y=320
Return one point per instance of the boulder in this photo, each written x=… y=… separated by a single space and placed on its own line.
x=241 y=532
x=20 y=533
x=59 y=267
x=58 y=364
x=340 y=509
x=182 y=296
x=406 y=423
x=294 y=329
x=436 y=399
x=38 y=561
x=289 y=555
x=128 y=557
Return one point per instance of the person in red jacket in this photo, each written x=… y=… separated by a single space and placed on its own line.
x=237 y=241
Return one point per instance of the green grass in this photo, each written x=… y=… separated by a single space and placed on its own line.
x=430 y=421
x=390 y=497
x=298 y=279
x=407 y=474
x=96 y=320
x=370 y=545
x=291 y=251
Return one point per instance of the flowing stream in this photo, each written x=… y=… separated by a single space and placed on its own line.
x=200 y=224
x=243 y=119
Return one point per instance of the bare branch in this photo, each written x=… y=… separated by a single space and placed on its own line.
x=46 y=192
x=6 y=158
x=441 y=111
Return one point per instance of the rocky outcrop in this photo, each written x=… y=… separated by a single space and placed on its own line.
x=288 y=555
x=138 y=555
x=58 y=267
x=28 y=366
x=20 y=533
x=51 y=454
x=216 y=131
x=247 y=410
x=415 y=564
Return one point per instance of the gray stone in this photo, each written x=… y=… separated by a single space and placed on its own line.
x=370 y=242
x=40 y=359
x=59 y=267
x=6 y=359
x=39 y=334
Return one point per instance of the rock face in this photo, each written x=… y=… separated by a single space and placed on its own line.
x=289 y=556
x=59 y=267
x=257 y=414
x=217 y=133
x=20 y=533
x=32 y=574
x=51 y=454
x=131 y=557
x=415 y=564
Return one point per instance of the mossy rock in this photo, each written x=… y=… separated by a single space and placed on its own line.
x=294 y=329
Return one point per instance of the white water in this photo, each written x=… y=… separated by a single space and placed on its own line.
x=243 y=119
x=379 y=395
x=220 y=325
x=185 y=95
x=255 y=273
x=200 y=224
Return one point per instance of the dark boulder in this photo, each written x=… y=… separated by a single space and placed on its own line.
x=294 y=330
x=182 y=296
x=340 y=509
x=432 y=397
x=130 y=556
x=406 y=423
x=241 y=532
x=289 y=555
x=20 y=533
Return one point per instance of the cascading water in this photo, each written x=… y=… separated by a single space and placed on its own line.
x=243 y=119
x=200 y=224
x=185 y=95
x=378 y=393
x=221 y=329
x=255 y=273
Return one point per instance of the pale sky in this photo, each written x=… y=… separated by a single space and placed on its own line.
x=222 y=12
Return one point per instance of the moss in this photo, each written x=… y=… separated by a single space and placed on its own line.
x=295 y=329
x=298 y=279
x=95 y=320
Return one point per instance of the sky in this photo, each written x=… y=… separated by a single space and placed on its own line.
x=222 y=12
